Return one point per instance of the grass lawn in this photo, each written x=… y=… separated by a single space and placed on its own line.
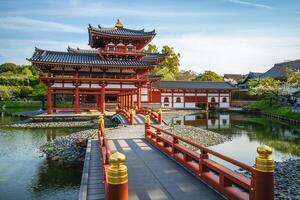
x=20 y=104
x=275 y=110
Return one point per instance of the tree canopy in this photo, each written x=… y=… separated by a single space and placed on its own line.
x=208 y=76
x=186 y=75
x=269 y=89
x=170 y=66
x=293 y=78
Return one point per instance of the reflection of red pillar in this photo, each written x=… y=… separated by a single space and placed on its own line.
x=103 y=98
x=77 y=99
x=49 y=100
x=206 y=101
x=131 y=101
x=172 y=99
x=138 y=96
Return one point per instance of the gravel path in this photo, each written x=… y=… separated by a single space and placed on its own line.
x=52 y=124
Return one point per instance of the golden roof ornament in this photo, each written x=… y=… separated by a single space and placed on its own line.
x=119 y=24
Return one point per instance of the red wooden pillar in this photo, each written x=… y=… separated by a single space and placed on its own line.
x=219 y=99
x=131 y=101
x=150 y=93
x=172 y=98
x=206 y=100
x=49 y=100
x=103 y=98
x=184 y=98
x=77 y=102
x=138 y=97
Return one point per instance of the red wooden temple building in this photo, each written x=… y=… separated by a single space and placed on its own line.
x=116 y=71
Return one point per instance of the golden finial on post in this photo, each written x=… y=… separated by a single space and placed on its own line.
x=119 y=24
x=101 y=120
x=264 y=162
x=159 y=111
x=117 y=178
x=117 y=171
x=263 y=183
x=147 y=119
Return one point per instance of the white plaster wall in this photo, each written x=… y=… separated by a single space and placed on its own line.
x=113 y=86
x=134 y=98
x=190 y=118
x=57 y=85
x=69 y=85
x=84 y=85
x=224 y=105
x=201 y=94
x=224 y=95
x=144 y=91
x=128 y=86
x=95 y=86
x=178 y=105
x=188 y=94
x=216 y=98
x=144 y=98
x=213 y=95
x=190 y=105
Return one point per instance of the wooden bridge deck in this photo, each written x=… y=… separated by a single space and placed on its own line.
x=152 y=175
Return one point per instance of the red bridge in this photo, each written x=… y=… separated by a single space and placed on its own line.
x=147 y=162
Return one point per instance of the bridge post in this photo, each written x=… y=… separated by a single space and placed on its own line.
x=131 y=112
x=147 y=124
x=264 y=174
x=160 y=116
x=117 y=179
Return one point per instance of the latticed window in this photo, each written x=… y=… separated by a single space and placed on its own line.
x=213 y=100
x=166 y=100
x=224 y=100
x=178 y=100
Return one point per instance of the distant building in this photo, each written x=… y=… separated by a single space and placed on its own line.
x=233 y=78
x=249 y=77
x=279 y=70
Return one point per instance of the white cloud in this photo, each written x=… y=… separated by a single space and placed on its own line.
x=246 y=3
x=28 y=24
x=231 y=53
x=15 y=50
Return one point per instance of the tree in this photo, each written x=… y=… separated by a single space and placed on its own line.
x=39 y=91
x=293 y=78
x=186 y=75
x=26 y=71
x=9 y=67
x=151 y=48
x=169 y=67
x=208 y=76
x=269 y=89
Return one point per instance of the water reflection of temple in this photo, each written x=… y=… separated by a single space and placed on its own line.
x=205 y=120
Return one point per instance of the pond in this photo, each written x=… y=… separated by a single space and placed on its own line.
x=247 y=132
x=24 y=171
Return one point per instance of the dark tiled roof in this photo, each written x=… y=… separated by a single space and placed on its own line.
x=278 y=71
x=148 y=56
x=154 y=55
x=82 y=58
x=78 y=50
x=251 y=75
x=234 y=76
x=121 y=31
x=192 y=85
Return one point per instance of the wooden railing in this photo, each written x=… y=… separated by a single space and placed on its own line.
x=155 y=115
x=104 y=149
x=230 y=183
x=127 y=114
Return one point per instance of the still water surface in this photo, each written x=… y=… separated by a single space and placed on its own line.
x=247 y=132
x=26 y=174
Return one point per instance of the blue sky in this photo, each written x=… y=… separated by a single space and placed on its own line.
x=226 y=36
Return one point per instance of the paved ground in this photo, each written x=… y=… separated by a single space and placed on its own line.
x=152 y=175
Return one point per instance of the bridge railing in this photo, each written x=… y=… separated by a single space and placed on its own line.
x=115 y=172
x=128 y=114
x=104 y=149
x=233 y=185
x=155 y=115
